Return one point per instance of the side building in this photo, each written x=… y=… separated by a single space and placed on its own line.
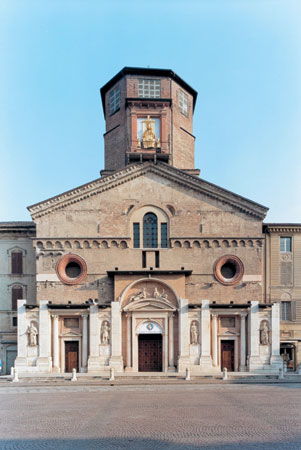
x=17 y=281
x=283 y=284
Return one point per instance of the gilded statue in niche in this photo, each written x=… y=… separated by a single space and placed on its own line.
x=149 y=135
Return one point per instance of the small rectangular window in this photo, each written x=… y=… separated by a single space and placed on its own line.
x=16 y=294
x=15 y=321
x=149 y=88
x=285 y=310
x=114 y=99
x=144 y=259
x=285 y=244
x=183 y=102
x=157 y=259
x=136 y=231
x=163 y=235
x=17 y=263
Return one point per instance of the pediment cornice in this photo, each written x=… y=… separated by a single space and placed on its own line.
x=137 y=170
x=149 y=304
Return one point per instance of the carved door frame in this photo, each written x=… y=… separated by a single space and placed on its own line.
x=234 y=338
x=148 y=317
x=62 y=348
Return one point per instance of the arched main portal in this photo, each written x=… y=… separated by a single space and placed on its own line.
x=150 y=321
x=150 y=347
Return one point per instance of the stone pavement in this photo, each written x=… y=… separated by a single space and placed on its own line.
x=171 y=417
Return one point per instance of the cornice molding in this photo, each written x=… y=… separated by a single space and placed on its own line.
x=137 y=170
x=284 y=229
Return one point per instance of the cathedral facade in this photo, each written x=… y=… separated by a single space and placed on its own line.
x=150 y=268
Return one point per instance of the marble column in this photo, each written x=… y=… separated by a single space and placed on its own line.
x=94 y=362
x=129 y=341
x=242 y=366
x=184 y=360
x=165 y=344
x=205 y=359
x=116 y=359
x=170 y=341
x=55 y=342
x=274 y=338
x=44 y=361
x=214 y=339
x=85 y=341
x=21 y=360
x=254 y=359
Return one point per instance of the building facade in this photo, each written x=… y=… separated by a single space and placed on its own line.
x=150 y=268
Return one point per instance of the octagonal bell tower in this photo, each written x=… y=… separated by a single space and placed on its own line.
x=149 y=116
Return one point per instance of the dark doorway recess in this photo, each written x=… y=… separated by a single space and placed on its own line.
x=227 y=355
x=71 y=355
x=150 y=352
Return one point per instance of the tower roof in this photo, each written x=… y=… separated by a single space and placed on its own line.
x=148 y=72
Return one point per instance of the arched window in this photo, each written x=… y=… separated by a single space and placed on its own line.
x=150 y=228
x=150 y=231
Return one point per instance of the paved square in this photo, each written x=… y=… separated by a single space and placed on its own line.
x=178 y=417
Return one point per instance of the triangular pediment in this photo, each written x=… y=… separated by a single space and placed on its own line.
x=229 y=333
x=72 y=333
x=149 y=304
x=162 y=170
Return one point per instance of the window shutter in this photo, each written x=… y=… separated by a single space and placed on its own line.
x=294 y=311
x=17 y=294
x=17 y=263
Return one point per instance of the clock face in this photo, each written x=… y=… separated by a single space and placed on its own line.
x=142 y=127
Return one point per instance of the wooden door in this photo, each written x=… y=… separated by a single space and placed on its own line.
x=150 y=352
x=71 y=355
x=227 y=355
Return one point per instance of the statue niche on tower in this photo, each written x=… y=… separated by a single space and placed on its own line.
x=148 y=135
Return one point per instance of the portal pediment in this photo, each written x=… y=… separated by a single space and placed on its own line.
x=71 y=333
x=149 y=304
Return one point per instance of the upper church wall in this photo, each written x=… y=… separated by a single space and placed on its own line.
x=108 y=214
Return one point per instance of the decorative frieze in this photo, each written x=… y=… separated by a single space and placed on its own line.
x=210 y=242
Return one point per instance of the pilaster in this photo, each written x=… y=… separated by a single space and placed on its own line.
x=116 y=360
x=205 y=359
x=184 y=360
x=254 y=359
x=275 y=360
x=94 y=363
x=44 y=361
x=21 y=360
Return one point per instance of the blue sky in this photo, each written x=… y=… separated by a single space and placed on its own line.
x=242 y=56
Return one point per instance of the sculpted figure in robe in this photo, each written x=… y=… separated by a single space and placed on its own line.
x=194 y=333
x=149 y=137
x=264 y=333
x=32 y=334
x=105 y=334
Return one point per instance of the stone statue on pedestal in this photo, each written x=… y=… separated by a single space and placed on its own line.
x=32 y=335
